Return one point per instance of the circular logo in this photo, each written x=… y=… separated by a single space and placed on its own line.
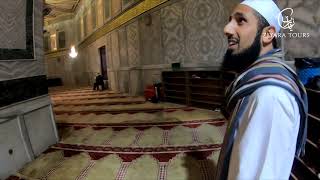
x=286 y=21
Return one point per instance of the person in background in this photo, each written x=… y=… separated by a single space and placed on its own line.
x=99 y=82
x=266 y=105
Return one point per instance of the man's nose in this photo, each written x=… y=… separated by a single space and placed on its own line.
x=229 y=29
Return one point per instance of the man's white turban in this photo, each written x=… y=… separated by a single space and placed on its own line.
x=268 y=9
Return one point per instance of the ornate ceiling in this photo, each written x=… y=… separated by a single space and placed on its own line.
x=59 y=8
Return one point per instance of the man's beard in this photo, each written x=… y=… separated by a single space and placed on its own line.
x=241 y=61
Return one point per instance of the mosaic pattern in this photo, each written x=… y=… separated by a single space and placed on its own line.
x=9 y=12
x=150 y=25
x=173 y=33
x=205 y=41
x=115 y=50
x=17 y=42
x=137 y=10
x=123 y=48
x=192 y=32
x=133 y=44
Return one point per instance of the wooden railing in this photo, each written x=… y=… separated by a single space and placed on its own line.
x=308 y=167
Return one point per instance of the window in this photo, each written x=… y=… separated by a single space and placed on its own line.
x=62 y=39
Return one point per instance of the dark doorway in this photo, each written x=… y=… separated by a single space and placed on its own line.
x=103 y=62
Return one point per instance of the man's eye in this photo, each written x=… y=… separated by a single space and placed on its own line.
x=241 y=20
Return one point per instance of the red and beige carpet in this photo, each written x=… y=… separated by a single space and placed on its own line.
x=110 y=137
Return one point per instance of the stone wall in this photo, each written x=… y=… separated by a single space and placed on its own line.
x=307 y=20
x=185 y=31
x=27 y=126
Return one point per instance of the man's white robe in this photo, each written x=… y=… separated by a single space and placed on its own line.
x=265 y=141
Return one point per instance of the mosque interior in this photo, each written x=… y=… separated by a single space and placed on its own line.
x=54 y=126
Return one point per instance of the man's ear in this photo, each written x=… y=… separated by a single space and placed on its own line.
x=268 y=34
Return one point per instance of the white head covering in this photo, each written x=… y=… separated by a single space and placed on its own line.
x=268 y=9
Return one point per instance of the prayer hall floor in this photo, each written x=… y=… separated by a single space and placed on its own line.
x=106 y=135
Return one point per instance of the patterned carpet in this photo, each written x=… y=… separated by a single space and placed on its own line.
x=133 y=141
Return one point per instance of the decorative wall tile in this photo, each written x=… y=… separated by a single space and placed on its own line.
x=133 y=44
x=16 y=32
x=115 y=50
x=204 y=21
x=186 y=31
x=173 y=33
x=109 y=52
x=150 y=39
x=13 y=11
x=16 y=69
x=123 y=47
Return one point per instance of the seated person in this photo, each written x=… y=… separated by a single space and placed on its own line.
x=99 y=82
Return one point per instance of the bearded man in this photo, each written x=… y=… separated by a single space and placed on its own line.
x=266 y=104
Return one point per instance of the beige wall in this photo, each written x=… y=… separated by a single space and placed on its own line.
x=307 y=20
x=185 y=31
